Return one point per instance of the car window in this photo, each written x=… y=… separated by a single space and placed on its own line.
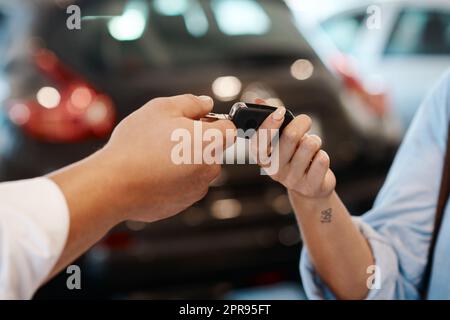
x=343 y=30
x=420 y=31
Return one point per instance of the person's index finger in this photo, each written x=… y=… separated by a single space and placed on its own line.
x=268 y=130
x=192 y=107
x=300 y=125
x=275 y=120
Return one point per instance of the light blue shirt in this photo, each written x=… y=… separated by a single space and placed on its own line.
x=399 y=226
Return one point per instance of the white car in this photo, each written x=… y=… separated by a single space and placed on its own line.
x=403 y=56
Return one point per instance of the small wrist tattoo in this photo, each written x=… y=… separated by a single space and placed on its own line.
x=325 y=215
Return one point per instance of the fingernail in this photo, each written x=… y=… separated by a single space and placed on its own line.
x=278 y=114
x=206 y=99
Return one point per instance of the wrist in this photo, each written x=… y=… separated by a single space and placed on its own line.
x=111 y=175
x=311 y=199
x=91 y=191
x=305 y=205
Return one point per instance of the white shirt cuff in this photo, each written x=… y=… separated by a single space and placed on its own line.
x=34 y=225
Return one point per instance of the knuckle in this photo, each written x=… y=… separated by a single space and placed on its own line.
x=310 y=144
x=332 y=185
x=189 y=96
x=329 y=183
x=157 y=101
x=159 y=104
x=330 y=175
x=290 y=135
x=332 y=180
x=195 y=102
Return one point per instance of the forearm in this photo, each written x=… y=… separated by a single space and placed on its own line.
x=337 y=249
x=91 y=197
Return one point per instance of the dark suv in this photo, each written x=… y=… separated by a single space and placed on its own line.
x=69 y=88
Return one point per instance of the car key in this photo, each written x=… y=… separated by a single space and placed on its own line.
x=248 y=116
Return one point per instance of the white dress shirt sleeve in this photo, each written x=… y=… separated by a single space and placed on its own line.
x=34 y=225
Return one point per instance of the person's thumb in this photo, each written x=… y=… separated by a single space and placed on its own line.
x=192 y=107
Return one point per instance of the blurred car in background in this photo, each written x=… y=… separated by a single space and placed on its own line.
x=4 y=88
x=403 y=58
x=3 y=45
x=69 y=88
x=3 y=30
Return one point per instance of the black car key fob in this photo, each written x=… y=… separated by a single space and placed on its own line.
x=248 y=116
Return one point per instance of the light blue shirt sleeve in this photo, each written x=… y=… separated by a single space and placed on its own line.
x=399 y=226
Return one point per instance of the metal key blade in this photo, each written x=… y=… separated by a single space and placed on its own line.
x=218 y=116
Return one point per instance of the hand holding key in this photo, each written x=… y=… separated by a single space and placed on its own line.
x=304 y=168
x=133 y=177
x=140 y=181
x=248 y=116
